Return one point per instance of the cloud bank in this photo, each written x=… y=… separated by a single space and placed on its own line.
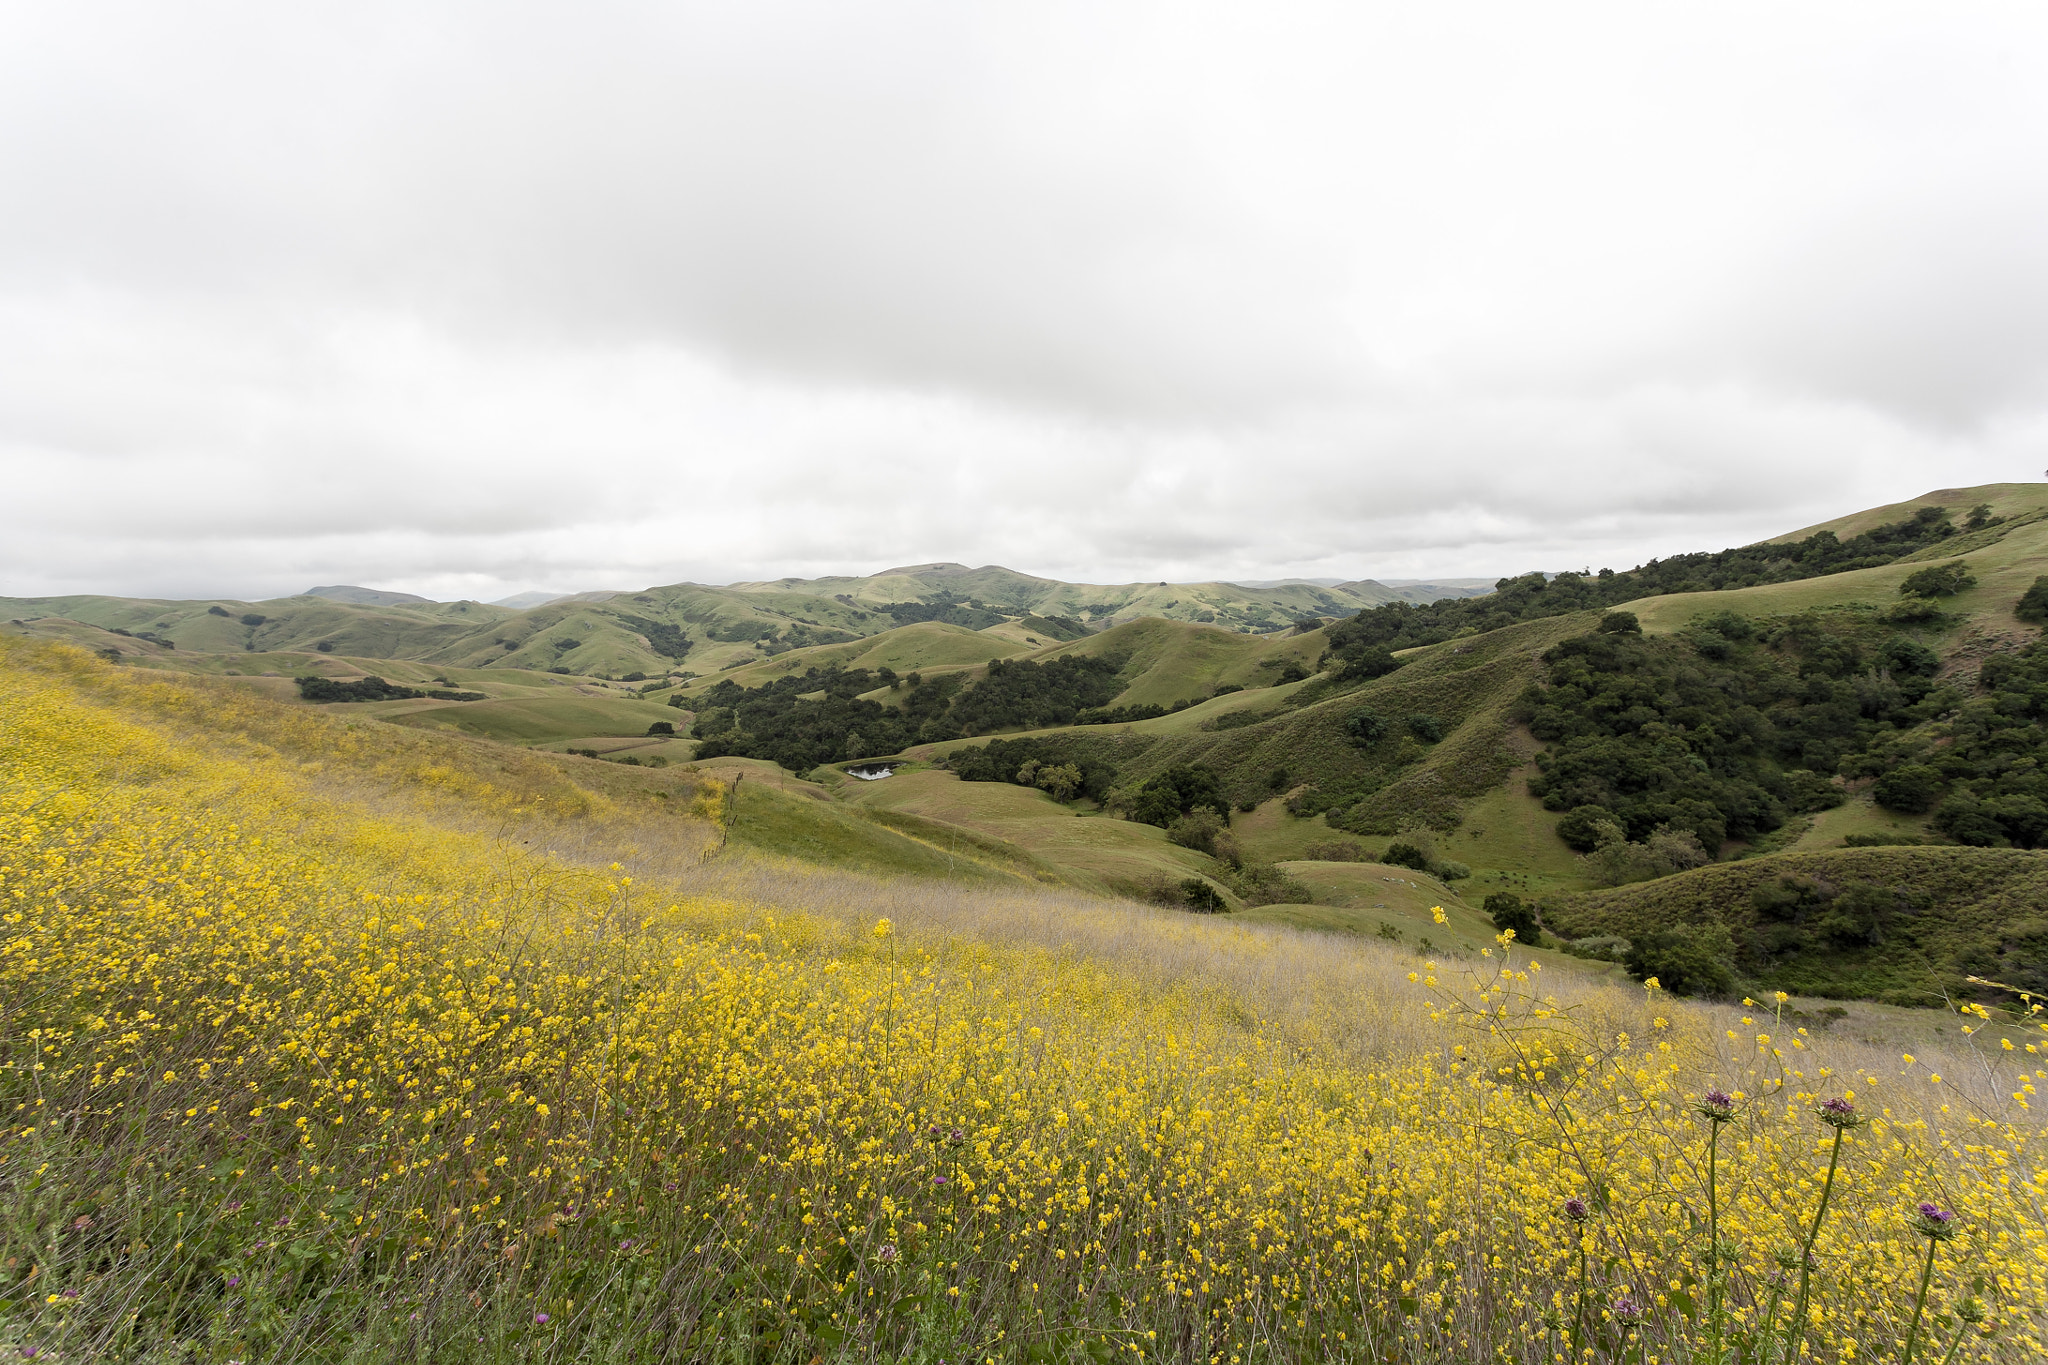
x=464 y=299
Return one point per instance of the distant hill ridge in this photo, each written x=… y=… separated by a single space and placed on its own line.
x=702 y=629
x=364 y=597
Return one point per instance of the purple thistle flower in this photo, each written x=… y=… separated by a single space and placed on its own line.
x=1716 y=1106
x=1628 y=1312
x=887 y=1255
x=234 y=1281
x=31 y=1352
x=1576 y=1210
x=938 y=1180
x=540 y=1319
x=232 y=1206
x=1933 y=1221
x=1839 y=1112
x=70 y=1294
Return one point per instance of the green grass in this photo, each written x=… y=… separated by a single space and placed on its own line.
x=1858 y=815
x=1360 y=898
x=1972 y=911
x=2006 y=499
x=2005 y=568
x=1092 y=851
x=925 y=646
x=1172 y=661
x=773 y=819
x=530 y=720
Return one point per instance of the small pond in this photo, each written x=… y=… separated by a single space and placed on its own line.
x=871 y=772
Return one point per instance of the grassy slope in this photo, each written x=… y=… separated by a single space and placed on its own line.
x=2005 y=567
x=1977 y=903
x=2006 y=499
x=923 y=646
x=1172 y=661
x=778 y=819
x=1090 y=851
x=530 y=720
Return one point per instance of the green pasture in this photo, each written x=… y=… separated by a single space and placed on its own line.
x=1090 y=850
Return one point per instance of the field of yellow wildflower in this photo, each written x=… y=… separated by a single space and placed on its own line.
x=389 y=1068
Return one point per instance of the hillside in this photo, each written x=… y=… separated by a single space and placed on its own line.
x=1467 y=729
x=403 y=1045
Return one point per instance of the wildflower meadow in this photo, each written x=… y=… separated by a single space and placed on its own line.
x=302 y=1071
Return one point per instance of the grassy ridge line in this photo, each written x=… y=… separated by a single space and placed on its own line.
x=2006 y=500
x=373 y=1092
x=2005 y=568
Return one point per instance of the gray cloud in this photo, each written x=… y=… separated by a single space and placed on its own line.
x=469 y=298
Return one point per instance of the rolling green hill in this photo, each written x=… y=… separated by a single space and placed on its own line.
x=1450 y=728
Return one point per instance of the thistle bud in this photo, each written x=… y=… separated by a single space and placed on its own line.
x=1716 y=1106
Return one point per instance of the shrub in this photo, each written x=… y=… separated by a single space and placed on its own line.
x=1265 y=884
x=1061 y=781
x=1200 y=897
x=662 y=727
x=1335 y=851
x=1910 y=788
x=1174 y=793
x=1509 y=911
x=325 y=646
x=253 y=618
x=2033 y=603
x=1426 y=728
x=218 y=611
x=1403 y=854
x=363 y=689
x=1620 y=623
x=1196 y=830
x=1580 y=828
x=1938 y=580
x=1365 y=726
x=1691 y=959
x=1366 y=662
x=1881 y=840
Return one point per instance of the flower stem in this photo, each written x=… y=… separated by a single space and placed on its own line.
x=1579 y=1307
x=1798 y=1337
x=1713 y=1248
x=1920 y=1303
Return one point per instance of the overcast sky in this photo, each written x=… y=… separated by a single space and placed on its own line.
x=469 y=299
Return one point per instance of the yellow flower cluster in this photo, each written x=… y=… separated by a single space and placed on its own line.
x=268 y=1058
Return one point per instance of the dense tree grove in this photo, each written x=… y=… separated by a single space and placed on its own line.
x=662 y=637
x=1724 y=730
x=1034 y=763
x=1403 y=625
x=1984 y=770
x=374 y=689
x=953 y=610
x=819 y=716
x=1033 y=695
